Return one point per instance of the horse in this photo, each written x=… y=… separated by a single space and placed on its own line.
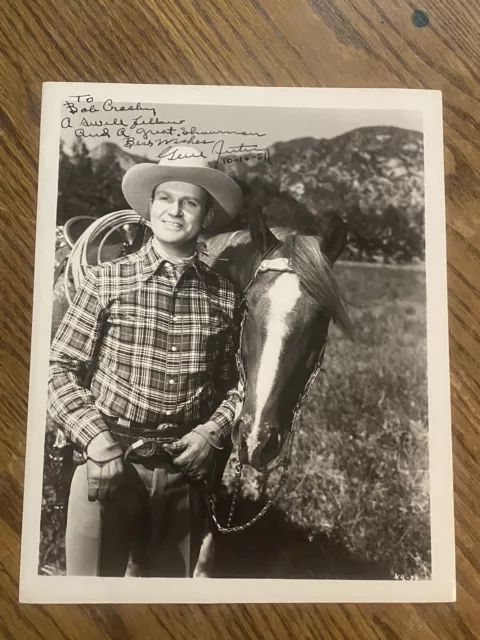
x=289 y=301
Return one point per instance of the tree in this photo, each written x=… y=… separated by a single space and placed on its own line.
x=108 y=182
x=66 y=178
x=87 y=187
x=76 y=183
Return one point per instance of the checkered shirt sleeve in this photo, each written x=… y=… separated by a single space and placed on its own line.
x=227 y=379
x=73 y=350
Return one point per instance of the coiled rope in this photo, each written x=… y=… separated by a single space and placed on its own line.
x=77 y=263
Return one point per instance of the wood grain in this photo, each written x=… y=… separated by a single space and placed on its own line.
x=333 y=43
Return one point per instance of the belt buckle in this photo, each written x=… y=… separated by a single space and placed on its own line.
x=144 y=449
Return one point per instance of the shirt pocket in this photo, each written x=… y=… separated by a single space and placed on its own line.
x=126 y=326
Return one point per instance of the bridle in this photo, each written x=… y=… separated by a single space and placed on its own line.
x=283 y=266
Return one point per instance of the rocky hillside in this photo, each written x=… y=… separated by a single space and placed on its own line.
x=111 y=151
x=373 y=177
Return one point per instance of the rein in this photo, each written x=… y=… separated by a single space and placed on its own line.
x=282 y=265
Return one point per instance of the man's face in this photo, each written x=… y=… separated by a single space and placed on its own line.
x=177 y=213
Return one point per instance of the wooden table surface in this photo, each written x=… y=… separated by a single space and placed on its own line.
x=329 y=43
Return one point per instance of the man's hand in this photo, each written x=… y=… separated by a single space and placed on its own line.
x=194 y=454
x=104 y=466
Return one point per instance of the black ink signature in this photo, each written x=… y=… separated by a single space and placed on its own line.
x=195 y=131
x=147 y=133
x=139 y=121
x=171 y=153
x=105 y=133
x=189 y=141
x=66 y=123
x=116 y=122
x=241 y=150
x=73 y=108
x=131 y=141
x=109 y=106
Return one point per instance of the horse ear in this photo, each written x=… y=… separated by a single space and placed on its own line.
x=263 y=239
x=334 y=238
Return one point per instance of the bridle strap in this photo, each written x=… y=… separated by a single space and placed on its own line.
x=276 y=264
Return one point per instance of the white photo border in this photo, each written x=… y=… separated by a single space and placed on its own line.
x=35 y=588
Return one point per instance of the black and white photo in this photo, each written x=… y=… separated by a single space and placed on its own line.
x=239 y=379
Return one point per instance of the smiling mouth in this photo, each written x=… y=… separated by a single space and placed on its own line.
x=172 y=225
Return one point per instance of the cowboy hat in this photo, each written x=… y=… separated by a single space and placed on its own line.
x=186 y=165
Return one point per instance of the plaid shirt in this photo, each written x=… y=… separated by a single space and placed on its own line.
x=161 y=350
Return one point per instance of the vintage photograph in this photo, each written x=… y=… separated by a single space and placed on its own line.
x=237 y=383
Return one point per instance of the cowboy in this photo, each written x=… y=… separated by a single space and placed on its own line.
x=157 y=330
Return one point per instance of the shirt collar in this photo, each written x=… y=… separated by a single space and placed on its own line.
x=153 y=261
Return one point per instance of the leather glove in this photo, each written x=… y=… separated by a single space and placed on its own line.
x=104 y=466
x=194 y=454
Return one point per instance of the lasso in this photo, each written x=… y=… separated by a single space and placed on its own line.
x=77 y=263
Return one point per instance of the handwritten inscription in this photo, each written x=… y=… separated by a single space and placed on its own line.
x=137 y=125
x=76 y=104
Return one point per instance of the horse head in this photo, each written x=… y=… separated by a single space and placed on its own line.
x=289 y=303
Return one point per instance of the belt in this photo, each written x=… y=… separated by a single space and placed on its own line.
x=145 y=440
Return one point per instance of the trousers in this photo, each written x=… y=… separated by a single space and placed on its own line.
x=154 y=523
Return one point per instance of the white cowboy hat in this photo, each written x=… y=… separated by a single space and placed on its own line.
x=185 y=165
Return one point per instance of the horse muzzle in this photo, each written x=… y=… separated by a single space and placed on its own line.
x=256 y=447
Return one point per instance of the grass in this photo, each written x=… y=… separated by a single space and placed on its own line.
x=358 y=491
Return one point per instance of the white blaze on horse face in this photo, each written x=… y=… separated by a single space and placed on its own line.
x=283 y=297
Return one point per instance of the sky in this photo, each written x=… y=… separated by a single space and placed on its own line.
x=266 y=125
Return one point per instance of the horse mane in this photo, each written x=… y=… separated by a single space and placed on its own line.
x=306 y=259
x=316 y=276
x=218 y=243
